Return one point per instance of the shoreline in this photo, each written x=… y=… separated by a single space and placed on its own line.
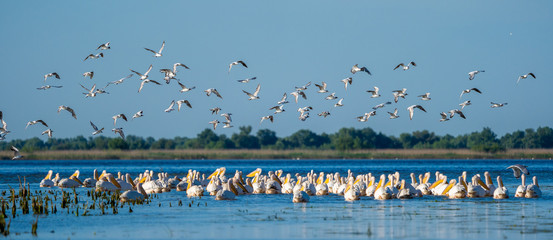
x=239 y=154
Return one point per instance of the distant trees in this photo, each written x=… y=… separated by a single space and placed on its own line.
x=343 y=140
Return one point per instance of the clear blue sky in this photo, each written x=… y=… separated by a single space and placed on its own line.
x=285 y=44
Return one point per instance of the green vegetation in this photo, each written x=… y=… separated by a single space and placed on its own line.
x=347 y=142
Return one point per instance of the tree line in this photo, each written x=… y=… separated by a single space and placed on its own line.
x=343 y=140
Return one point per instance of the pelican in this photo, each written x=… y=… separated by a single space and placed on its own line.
x=228 y=192
x=273 y=185
x=108 y=183
x=180 y=102
x=458 y=190
x=147 y=81
x=352 y=191
x=444 y=117
x=134 y=196
x=473 y=74
x=374 y=92
x=47 y=181
x=425 y=97
x=62 y=107
x=247 y=80
x=143 y=76
x=525 y=76
x=214 y=91
x=236 y=63
x=356 y=69
x=52 y=74
x=300 y=196
x=347 y=81
x=497 y=105
x=322 y=87
x=518 y=169
x=469 y=90
x=405 y=67
x=194 y=190
x=35 y=122
x=394 y=114
x=501 y=192
x=214 y=122
x=254 y=95
x=296 y=95
x=270 y=117
x=91 y=182
x=381 y=105
x=48 y=132
x=119 y=116
x=411 y=109
x=158 y=53
x=339 y=103
x=533 y=190
x=71 y=182
x=476 y=188
x=45 y=87
x=464 y=104
x=119 y=81
x=104 y=46
x=521 y=189
x=93 y=56
x=120 y=131
x=88 y=74
x=332 y=96
x=489 y=184
x=184 y=88
x=381 y=192
x=283 y=100
x=454 y=111
x=405 y=191
x=96 y=131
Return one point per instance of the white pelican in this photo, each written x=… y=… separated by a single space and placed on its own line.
x=236 y=63
x=476 y=188
x=194 y=190
x=533 y=190
x=57 y=179
x=273 y=185
x=525 y=76
x=71 y=182
x=356 y=69
x=91 y=182
x=501 y=192
x=108 y=183
x=489 y=184
x=352 y=191
x=458 y=190
x=381 y=192
x=134 y=196
x=473 y=73
x=411 y=110
x=228 y=192
x=405 y=67
x=446 y=190
x=47 y=181
x=300 y=196
x=521 y=189
x=405 y=191
x=371 y=187
x=158 y=53
x=424 y=185
x=321 y=187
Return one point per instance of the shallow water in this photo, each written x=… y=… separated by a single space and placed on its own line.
x=275 y=216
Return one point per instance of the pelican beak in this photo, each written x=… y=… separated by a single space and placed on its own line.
x=402 y=185
x=113 y=181
x=189 y=183
x=279 y=173
x=436 y=183
x=76 y=179
x=242 y=187
x=252 y=174
x=286 y=180
x=347 y=188
x=483 y=184
x=446 y=190
x=426 y=177
x=101 y=175
x=142 y=180
x=357 y=180
x=233 y=189
x=213 y=174
x=49 y=175
x=327 y=180
x=76 y=174
x=464 y=184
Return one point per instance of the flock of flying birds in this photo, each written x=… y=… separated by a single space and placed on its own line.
x=298 y=94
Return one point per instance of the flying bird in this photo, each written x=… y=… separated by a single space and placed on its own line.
x=170 y=108
x=425 y=97
x=214 y=122
x=94 y=56
x=270 y=117
x=399 y=93
x=236 y=63
x=454 y=111
x=145 y=75
x=214 y=91
x=119 y=116
x=381 y=105
x=227 y=116
x=339 y=103
x=138 y=114
x=519 y=169
x=322 y=87
x=411 y=110
x=158 y=53
x=104 y=46
x=119 y=81
x=324 y=114
x=497 y=105
x=35 y=122
x=16 y=154
x=180 y=102
x=526 y=76
x=49 y=132
x=62 y=107
x=254 y=95
x=473 y=74
x=347 y=81
x=394 y=114
x=227 y=125
x=283 y=100
x=469 y=90
x=120 y=131
x=184 y=88
x=246 y=80
x=4 y=128
x=374 y=92
x=405 y=67
x=464 y=104
x=52 y=74
x=45 y=87
x=171 y=74
x=278 y=109
x=356 y=69
x=331 y=96
x=444 y=117
x=96 y=130
x=90 y=92
x=215 y=110
x=147 y=81
x=297 y=94
x=304 y=87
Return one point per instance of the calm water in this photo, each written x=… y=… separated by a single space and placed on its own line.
x=275 y=216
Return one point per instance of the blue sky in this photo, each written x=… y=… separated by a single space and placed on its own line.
x=285 y=44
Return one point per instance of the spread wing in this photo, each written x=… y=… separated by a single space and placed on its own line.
x=217 y=93
x=93 y=126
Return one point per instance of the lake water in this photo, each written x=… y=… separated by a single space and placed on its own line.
x=275 y=216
